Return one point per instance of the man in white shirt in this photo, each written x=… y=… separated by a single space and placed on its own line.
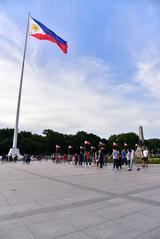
x=145 y=157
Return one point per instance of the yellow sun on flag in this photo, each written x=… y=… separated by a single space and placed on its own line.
x=35 y=27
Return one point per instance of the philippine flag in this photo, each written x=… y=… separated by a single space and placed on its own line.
x=87 y=142
x=115 y=144
x=40 y=31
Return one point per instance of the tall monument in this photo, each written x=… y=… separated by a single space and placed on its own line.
x=141 y=136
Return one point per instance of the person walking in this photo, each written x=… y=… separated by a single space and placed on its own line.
x=124 y=159
x=138 y=154
x=76 y=158
x=133 y=161
x=115 y=155
x=145 y=157
x=65 y=158
x=128 y=156
x=101 y=158
x=120 y=162
x=81 y=158
x=88 y=158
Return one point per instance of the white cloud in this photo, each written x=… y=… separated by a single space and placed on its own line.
x=148 y=75
x=67 y=96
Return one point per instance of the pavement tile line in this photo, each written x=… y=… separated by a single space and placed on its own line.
x=106 y=196
x=87 y=187
x=53 y=208
x=127 y=195
x=148 y=232
x=80 y=230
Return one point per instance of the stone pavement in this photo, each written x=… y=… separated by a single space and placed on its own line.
x=46 y=201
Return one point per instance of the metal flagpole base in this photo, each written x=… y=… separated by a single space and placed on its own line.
x=15 y=151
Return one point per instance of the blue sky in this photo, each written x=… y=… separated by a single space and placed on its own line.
x=108 y=83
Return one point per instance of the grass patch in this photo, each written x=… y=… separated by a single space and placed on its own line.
x=150 y=161
x=154 y=160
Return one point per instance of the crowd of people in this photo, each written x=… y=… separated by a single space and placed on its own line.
x=9 y=158
x=127 y=157
x=27 y=158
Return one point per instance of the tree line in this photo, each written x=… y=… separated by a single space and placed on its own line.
x=46 y=143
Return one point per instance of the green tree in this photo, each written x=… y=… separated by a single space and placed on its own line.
x=130 y=138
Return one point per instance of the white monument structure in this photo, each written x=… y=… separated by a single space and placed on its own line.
x=14 y=150
x=141 y=136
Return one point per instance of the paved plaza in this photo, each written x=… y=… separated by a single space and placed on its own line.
x=47 y=200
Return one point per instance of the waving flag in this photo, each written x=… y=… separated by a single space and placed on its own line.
x=40 y=31
x=87 y=142
x=101 y=143
x=115 y=144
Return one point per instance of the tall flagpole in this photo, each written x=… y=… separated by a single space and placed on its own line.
x=14 y=150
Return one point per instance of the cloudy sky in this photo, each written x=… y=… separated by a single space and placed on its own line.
x=108 y=83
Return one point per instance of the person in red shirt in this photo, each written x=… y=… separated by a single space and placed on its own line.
x=88 y=158
x=65 y=158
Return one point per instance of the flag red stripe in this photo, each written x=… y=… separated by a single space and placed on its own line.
x=47 y=37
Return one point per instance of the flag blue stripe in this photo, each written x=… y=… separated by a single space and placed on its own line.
x=51 y=33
